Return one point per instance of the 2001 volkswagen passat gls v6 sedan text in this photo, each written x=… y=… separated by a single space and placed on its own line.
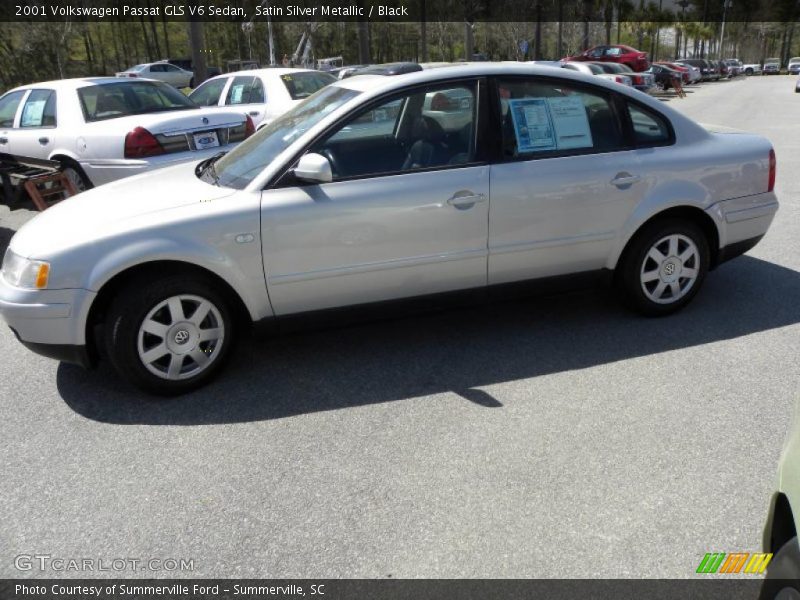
x=379 y=188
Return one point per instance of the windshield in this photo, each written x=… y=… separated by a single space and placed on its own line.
x=123 y=98
x=304 y=83
x=240 y=166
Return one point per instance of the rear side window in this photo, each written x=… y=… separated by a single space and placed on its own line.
x=649 y=129
x=245 y=90
x=543 y=118
x=39 y=109
x=8 y=108
x=208 y=94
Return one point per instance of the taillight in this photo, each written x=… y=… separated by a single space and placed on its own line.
x=618 y=79
x=249 y=127
x=140 y=143
x=772 y=168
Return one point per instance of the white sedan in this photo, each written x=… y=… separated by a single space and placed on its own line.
x=102 y=129
x=592 y=69
x=264 y=93
x=161 y=71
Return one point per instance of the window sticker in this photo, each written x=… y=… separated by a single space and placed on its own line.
x=236 y=94
x=532 y=124
x=570 y=123
x=32 y=113
x=542 y=124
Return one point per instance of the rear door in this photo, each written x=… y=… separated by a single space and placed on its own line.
x=246 y=92
x=565 y=182
x=210 y=93
x=36 y=132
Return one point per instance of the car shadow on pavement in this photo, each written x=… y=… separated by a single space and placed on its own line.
x=457 y=351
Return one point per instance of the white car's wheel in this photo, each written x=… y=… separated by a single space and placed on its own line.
x=664 y=267
x=76 y=176
x=169 y=336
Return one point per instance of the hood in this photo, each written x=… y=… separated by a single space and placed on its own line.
x=149 y=198
x=175 y=120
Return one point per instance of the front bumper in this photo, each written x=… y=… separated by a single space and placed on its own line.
x=49 y=322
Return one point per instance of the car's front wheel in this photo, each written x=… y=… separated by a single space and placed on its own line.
x=783 y=574
x=169 y=336
x=664 y=267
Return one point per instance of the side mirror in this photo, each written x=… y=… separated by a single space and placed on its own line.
x=314 y=167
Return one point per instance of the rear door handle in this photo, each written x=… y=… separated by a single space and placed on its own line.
x=254 y=113
x=625 y=179
x=3 y=140
x=44 y=140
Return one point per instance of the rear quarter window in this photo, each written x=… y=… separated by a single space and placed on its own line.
x=649 y=128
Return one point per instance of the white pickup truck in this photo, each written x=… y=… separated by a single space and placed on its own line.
x=751 y=69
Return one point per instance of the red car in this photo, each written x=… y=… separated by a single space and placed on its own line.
x=680 y=68
x=625 y=55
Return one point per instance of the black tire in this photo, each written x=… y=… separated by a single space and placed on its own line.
x=77 y=175
x=782 y=581
x=629 y=271
x=136 y=302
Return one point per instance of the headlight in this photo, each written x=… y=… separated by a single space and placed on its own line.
x=25 y=273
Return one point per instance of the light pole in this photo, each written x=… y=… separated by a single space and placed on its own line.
x=726 y=4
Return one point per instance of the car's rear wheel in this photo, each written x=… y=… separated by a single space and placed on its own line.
x=782 y=581
x=663 y=267
x=76 y=175
x=169 y=336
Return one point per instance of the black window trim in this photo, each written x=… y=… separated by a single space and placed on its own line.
x=285 y=178
x=21 y=109
x=609 y=95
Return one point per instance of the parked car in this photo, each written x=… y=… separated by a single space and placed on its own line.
x=772 y=66
x=263 y=93
x=794 y=66
x=102 y=129
x=797 y=86
x=665 y=77
x=782 y=581
x=323 y=209
x=706 y=70
x=346 y=71
x=597 y=70
x=716 y=71
x=161 y=71
x=695 y=76
x=684 y=71
x=186 y=65
x=751 y=69
x=734 y=66
x=635 y=59
x=400 y=68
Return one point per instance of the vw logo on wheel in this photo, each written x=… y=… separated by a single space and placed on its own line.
x=669 y=269
x=182 y=336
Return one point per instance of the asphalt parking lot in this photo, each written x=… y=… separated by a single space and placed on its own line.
x=538 y=438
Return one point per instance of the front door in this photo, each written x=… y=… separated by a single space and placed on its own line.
x=405 y=215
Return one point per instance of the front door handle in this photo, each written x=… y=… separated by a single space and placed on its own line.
x=44 y=140
x=625 y=179
x=465 y=199
x=254 y=113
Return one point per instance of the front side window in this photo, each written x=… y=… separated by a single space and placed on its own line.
x=425 y=129
x=39 y=109
x=551 y=118
x=8 y=108
x=245 y=162
x=245 y=90
x=208 y=93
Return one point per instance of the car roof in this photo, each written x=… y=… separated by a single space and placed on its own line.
x=277 y=71
x=79 y=82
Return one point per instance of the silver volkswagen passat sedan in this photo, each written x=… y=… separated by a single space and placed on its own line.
x=384 y=188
